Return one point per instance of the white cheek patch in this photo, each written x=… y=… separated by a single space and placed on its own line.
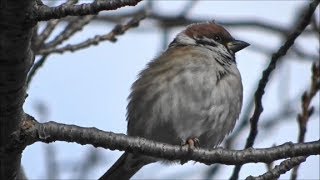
x=215 y=47
x=182 y=38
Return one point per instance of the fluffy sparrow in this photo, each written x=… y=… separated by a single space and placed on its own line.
x=191 y=94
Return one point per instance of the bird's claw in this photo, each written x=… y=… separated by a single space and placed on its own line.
x=191 y=143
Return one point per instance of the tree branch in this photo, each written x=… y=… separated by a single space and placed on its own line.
x=15 y=60
x=117 y=30
x=43 y=12
x=75 y=25
x=307 y=111
x=305 y=20
x=35 y=68
x=32 y=131
x=50 y=26
x=173 y=21
x=295 y=50
x=282 y=168
x=40 y=38
x=306 y=99
x=187 y=7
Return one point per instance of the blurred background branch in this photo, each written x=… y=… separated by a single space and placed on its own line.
x=50 y=152
x=299 y=27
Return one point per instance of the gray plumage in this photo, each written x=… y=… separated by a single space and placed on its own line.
x=192 y=90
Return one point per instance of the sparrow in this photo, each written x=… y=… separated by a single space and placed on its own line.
x=190 y=95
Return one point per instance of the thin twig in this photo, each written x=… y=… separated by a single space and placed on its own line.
x=75 y=24
x=282 y=168
x=111 y=36
x=50 y=26
x=306 y=100
x=305 y=20
x=35 y=68
x=307 y=111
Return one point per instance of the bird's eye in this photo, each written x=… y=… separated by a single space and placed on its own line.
x=217 y=38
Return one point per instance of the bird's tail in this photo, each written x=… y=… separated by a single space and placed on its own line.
x=126 y=166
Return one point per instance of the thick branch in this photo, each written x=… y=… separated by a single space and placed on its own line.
x=32 y=131
x=43 y=12
x=15 y=60
x=305 y=20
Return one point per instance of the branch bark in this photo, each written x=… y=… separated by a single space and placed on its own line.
x=282 y=168
x=307 y=110
x=15 y=60
x=111 y=36
x=32 y=131
x=43 y=12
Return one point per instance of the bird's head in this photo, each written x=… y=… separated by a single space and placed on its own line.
x=209 y=35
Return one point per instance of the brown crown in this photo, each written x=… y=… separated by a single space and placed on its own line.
x=208 y=30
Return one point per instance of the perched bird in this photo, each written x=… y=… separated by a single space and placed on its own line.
x=191 y=94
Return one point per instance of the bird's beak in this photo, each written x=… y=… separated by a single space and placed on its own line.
x=237 y=45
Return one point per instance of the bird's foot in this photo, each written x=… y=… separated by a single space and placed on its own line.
x=191 y=143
